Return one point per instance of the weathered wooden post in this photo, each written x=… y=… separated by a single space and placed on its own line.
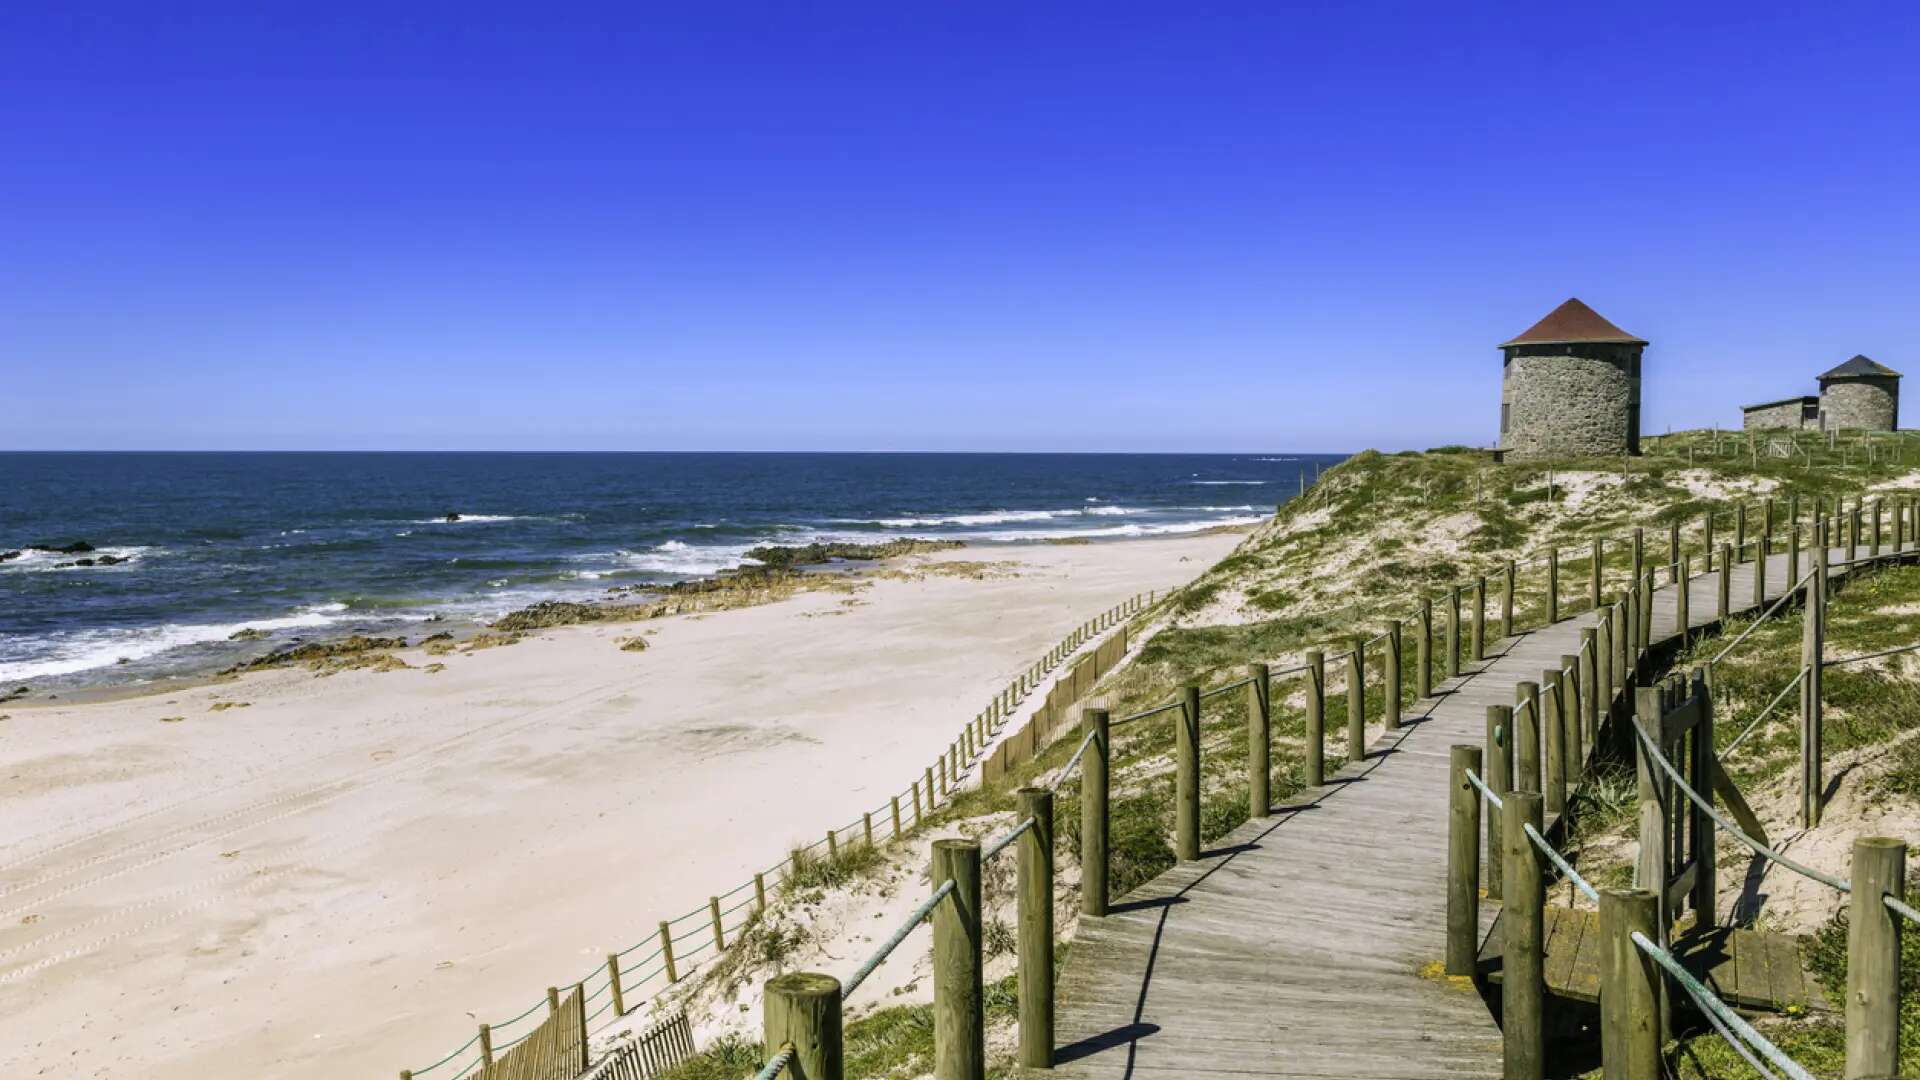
x=1635 y=643
x=613 y=984
x=1553 y=586
x=895 y=805
x=1793 y=556
x=1766 y=527
x=1506 y=601
x=1570 y=716
x=1259 y=741
x=553 y=1000
x=959 y=1015
x=1650 y=866
x=760 y=887
x=1553 y=750
x=1499 y=778
x=1682 y=600
x=1480 y=618
x=1603 y=661
x=1623 y=666
x=1646 y=611
x=486 y=1043
x=1760 y=580
x=1423 y=650
x=1639 y=561
x=1706 y=543
x=1186 y=804
x=1463 y=862
x=1357 y=700
x=1823 y=560
x=1390 y=711
x=1673 y=551
x=1739 y=530
x=1812 y=664
x=713 y=910
x=803 y=1011
x=1873 y=957
x=919 y=815
x=1591 y=692
x=1630 y=1036
x=1526 y=737
x=1315 y=764
x=1093 y=812
x=666 y=949
x=1593 y=579
x=1453 y=632
x=1853 y=532
x=1726 y=582
x=1873 y=545
x=1523 y=988
x=1035 y=883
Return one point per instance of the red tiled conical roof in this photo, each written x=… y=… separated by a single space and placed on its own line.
x=1574 y=323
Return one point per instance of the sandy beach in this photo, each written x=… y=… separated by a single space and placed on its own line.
x=294 y=876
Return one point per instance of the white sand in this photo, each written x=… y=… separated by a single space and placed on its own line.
x=338 y=879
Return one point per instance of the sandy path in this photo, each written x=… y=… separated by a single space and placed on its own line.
x=335 y=880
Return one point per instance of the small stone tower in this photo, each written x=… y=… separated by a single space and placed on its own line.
x=1571 y=387
x=1860 y=395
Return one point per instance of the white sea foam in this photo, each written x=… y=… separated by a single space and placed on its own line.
x=1171 y=528
x=473 y=519
x=996 y=517
x=84 y=650
x=32 y=561
x=1215 y=483
x=681 y=558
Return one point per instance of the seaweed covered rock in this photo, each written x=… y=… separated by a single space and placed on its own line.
x=359 y=648
x=782 y=556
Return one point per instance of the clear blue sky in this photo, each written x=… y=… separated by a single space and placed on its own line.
x=937 y=226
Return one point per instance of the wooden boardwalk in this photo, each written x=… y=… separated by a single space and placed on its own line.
x=1309 y=943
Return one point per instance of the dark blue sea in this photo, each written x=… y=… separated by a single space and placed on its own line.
x=306 y=545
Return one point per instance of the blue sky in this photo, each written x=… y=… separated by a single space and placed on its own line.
x=919 y=226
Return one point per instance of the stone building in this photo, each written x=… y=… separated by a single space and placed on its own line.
x=1859 y=395
x=1571 y=386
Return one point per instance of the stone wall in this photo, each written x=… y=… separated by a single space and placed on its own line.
x=1778 y=416
x=1566 y=405
x=1871 y=403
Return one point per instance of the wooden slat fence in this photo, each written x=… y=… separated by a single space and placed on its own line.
x=650 y=1053
x=556 y=1050
x=1056 y=713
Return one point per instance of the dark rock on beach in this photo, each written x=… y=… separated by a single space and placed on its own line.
x=356 y=647
x=775 y=555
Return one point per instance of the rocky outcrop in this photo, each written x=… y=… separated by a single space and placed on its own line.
x=783 y=556
x=360 y=650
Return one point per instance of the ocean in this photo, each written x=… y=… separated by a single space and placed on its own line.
x=191 y=548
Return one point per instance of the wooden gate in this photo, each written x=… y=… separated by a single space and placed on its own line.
x=1676 y=834
x=556 y=1050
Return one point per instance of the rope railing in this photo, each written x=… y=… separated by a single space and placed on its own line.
x=1798 y=678
x=1765 y=615
x=1560 y=862
x=1870 y=656
x=1712 y=1005
x=1485 y=791
x=1067 y=769
x=776 y=1065
x=995 y=848
x=907 y=926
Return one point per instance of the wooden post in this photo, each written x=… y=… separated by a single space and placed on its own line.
x=1650 y=866
x=803 y=1011
x=1523 y=954
x=866 y=823
x=1603 y=661
x=760 y=884
x=1630 y=1035
x=553 y=1000
x=1760 y=579
x=486 y=1044
x=1526 y=737
x=1682 y=598
x=928 y=783
x=919 y=815
x=1706 y=544
x=1726 y=582
x=1853 y=532
x=1315 y=764
x=833 y=842
x=1423 y=650
x=1739 y=530
x=1093 y=813
x=1623 y=667
x=1479 y=631
x=1646 y=611
x=1035 y=886
x=713 y=909
x=959 y=1016
x=1599 y=561
x=1463 y=862
x=1639 y=562
x=1186 y=775
x=666 y=952
x=896 y=815
x=1823 y=559
x=1766 y=527
x=1506 y=601
x=1591 y=693
x=1873 y=957
x=1553 y=586
x=1259 y=742
x=1553 y=750
x=1499 y=778
x=1570 y=726
x=1793 y=555
x=1390 y=664
x=1812 y=662
x=1453 y=631
x=1673 y=551
x=1873 y=545
x=1702 y=765
x=1357 y=701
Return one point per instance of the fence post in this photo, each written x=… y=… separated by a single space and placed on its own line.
x=1739 y=529
x=1646 y=611
x=1553 y=586
x=1526 y=737
x=1553 y=748
x=896 y=815
x=1726 y=581
x=1603 y=662
x=1453 y=631
x=1186 y=803
x=1673 y=551
x=613 y=981
x=918 y=814
x=1357 y=701
x=1480 y=618
x=1706 y=544
x=1423 y=650
x=1315 y=764
x=1629 y=987
x=1812 y=661
x=1522 y=986
x=1873 y=546
x=666 y=949
x=1873 y=957
x=553 y=1000
x=1639 y=562
x=1506 y=601
x=760 y=888
x=1499 y=778
x=1793 y=555
x=1093 y=813
x=1853 y=531
x=1824 y=558
x=1463 y=862
x=1035 y=874
x=486 y=1044
x=1571 y=710
x=1650 y=867
x=1635 y=643
x=1599 y=560
x=1590 y=691
x=803 y=1011
x=1259 y=741
x=1760 y=578
x=1390 y=664
x=959 y=1021
x=1683 y=599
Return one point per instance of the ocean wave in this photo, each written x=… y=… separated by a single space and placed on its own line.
x=1132 y=529
x=995 y=517
x=1214 y=483
x=682 y=559
x=33 y=562
x=472 y=519
x=85 y=650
